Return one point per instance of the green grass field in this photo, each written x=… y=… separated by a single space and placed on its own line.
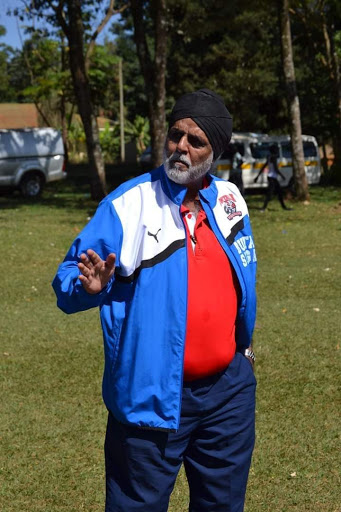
x=52 y=415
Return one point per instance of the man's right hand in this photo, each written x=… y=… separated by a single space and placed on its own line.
x=95 y=272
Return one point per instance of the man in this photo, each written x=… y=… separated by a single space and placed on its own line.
x=274 y=188
x=169 y=259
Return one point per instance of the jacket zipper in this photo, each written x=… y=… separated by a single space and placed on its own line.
x=228 y=252
x=185 y=331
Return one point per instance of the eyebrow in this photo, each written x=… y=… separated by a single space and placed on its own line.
x=197 y=138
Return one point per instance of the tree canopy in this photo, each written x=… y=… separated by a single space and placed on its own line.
x=231 y=47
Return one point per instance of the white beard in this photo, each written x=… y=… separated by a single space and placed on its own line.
x=190 y=175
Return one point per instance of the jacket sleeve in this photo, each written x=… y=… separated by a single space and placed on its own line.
x=104 y=235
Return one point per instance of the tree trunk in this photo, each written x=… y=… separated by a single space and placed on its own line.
x=154 y=73
x=83 y=97
x=42 y=114
x=333 y=67
x=324 y=160
x=159 y=121
x=300 y=178
x=63 y=106
x=64 y=128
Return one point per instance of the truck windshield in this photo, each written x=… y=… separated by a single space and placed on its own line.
x=309 y=149
x=286 y=149
x=229 y=152
x=260 y=150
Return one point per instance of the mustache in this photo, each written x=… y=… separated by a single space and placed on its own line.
x=177 y=157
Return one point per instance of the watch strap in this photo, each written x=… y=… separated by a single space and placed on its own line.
x=250 y=353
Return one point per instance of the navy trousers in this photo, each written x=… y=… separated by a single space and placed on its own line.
x=215 y=442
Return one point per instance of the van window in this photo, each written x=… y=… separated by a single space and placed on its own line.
x=309 y=149
x=260 y=150
x=228 y=153
x=240 y=148
x=286 y=150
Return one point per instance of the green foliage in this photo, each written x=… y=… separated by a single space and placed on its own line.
x=236 y=54
x=44 y=11
x=313 y=74
x=7 y=93
x=48 y=79
x=138 y=131
x=232 y=47
x=337 y=41
x=110 y=142
x=76 y=141
x=19 y=77
x=110 y=139
x=135 y=100
x=103 y=76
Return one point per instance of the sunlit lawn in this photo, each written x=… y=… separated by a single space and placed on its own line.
x=52 y=416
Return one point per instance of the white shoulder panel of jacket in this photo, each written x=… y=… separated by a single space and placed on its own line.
x=151 y=222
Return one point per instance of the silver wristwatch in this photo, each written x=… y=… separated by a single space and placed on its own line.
x=250 y=353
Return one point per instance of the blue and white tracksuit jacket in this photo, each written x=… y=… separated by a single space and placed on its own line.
x=143 y=308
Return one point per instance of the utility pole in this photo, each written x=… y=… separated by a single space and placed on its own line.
x=120 y=79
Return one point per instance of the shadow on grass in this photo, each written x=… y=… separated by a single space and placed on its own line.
x=73 y=192
x=52 y=197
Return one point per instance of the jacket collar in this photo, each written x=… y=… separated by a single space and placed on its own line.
x=210 y=193
x=177 y=192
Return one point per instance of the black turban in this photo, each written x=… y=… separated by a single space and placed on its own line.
x=208 y=111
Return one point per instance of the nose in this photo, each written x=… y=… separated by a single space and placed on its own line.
x=182 y=145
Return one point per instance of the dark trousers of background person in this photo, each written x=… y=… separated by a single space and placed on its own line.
x=237 y=178
x=215 y=442
x=274 y=188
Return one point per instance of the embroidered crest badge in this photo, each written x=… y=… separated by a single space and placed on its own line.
x=228 y=202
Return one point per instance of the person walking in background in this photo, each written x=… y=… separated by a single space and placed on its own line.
x=236 y=174
x=274 y=187
x=169 y=258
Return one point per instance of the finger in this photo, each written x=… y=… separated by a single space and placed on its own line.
x=110 y=261
x=109 y=265
x=84 y=269
x=84 y=280
x=85 y=260
x=95 y=259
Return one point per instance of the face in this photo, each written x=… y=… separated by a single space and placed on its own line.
x=188 y=152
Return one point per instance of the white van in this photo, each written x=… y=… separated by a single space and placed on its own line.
x=29 y=158
x=255 y=148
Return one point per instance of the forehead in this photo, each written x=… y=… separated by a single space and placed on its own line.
x=187 y=125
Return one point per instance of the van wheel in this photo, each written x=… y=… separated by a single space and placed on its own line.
x=31 y=186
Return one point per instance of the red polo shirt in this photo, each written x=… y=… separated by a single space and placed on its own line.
x=212 y=301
